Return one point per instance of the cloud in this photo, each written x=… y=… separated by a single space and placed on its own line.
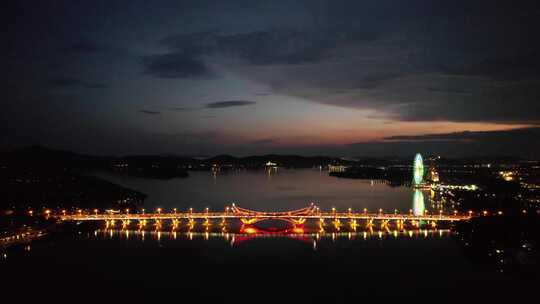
x=510 y=68
x=215 y=105
x=277 y=46
x=182 y=109
x=228 y=104
x=187 y=52
x=414 y=96
x=76 y=82
x=175 y=65
x=149 y=112
x=467 y=136
x=444 y=137
x=517 y=142
x=449 y=91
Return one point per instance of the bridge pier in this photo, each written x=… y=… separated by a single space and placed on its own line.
x=109 y=224
x=337 y=224
x=369 y=223
x=353 y=224
x=321 y=225
x=142 y=224
x=191 y=223
x=207 y=223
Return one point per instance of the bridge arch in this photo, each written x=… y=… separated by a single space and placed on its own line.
x=294 y=217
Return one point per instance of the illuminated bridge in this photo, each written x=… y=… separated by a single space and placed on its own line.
x=249 y=217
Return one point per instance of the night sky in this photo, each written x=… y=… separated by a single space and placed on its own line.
x=342 y=78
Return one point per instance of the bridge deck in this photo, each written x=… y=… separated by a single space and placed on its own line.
x=225 y=215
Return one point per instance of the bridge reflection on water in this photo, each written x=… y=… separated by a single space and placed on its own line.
x=245 y=234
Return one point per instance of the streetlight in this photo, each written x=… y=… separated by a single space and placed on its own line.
x=95 y=211
x=174 y=210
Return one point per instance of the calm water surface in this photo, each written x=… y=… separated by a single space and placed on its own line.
x=97 y=265
x=260 y=190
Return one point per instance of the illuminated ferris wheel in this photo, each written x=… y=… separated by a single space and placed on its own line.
x=418 y=170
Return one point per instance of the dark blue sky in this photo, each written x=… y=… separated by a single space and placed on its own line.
x=311 y=77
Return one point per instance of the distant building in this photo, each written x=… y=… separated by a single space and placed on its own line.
x=337 y=168
x=270 y=164
x=433 y=175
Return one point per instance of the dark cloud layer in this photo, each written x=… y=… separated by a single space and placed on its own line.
x=284 y=46
x=228 y=104
x=467 y=136
x=173 y=65
x=500 y=143
x=150 y=112
x=216 y=105
x=404 y=61
x=515 y=142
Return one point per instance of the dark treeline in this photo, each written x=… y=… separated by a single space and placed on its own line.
x=395 y=176
x=41 y=178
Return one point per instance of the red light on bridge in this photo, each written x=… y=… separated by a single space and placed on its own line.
x=250 y=230
x=298 y=230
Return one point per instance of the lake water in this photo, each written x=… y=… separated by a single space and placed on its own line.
x=272 y=191
x=102 y=265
